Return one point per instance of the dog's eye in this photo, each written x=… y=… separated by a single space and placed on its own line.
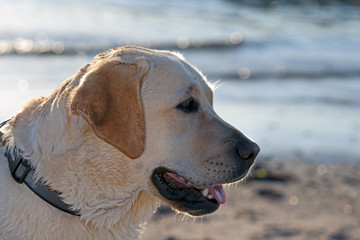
x=188 y=106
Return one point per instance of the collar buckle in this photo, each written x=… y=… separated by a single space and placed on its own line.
x=19 y=167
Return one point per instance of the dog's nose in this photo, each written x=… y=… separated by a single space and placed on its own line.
x=248 y=151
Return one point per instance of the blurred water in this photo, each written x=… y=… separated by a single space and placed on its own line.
x=306 y=39
x=289 y=73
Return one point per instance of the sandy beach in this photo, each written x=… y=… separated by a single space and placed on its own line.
x=281 y=200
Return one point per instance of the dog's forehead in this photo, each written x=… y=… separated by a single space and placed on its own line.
x=169 y=69
x=179 y=77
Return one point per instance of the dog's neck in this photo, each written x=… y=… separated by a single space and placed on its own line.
x=88 y=172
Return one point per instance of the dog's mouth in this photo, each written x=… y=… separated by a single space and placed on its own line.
x=186 y=196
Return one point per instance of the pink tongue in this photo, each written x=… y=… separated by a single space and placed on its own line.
x=218 y=193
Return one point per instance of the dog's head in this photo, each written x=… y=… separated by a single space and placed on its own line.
x=157 y=109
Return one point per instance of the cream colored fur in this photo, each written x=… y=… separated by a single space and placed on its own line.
x=112 y=191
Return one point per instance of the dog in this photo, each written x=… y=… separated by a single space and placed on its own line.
x=133 y=128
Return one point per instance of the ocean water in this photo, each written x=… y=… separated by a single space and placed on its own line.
x=287 y=75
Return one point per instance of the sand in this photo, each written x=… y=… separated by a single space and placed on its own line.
x=282 y=200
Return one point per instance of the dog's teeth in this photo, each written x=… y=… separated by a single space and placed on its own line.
x=210 y=196
x=205 y=192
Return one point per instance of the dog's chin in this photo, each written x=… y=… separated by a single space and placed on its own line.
x=184 y=196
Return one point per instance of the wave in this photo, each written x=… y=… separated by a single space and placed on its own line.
x=24 y=46
x=266 y=3
x=289 y=74
x=307 y=69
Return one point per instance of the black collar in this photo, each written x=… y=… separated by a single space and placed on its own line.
x=23 y=172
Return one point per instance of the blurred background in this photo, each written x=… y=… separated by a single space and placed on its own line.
x=287 y=72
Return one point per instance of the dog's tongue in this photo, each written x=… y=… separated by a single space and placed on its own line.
x=218 y=193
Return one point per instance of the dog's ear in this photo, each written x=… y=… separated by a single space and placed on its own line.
x=109 y=98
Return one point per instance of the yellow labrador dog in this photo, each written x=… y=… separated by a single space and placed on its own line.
x=94 y=159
